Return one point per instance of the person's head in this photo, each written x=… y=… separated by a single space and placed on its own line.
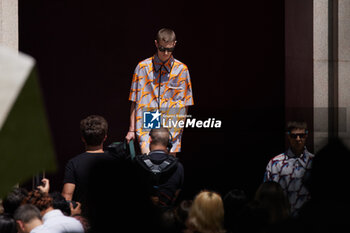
x=234 y=202
x=271 y=197
x=182 y=210
x=165 y=43
x=13 y=200
x=41 y=200
x=94 y=130
x=235 y=198
x=27 y=217
x=7 y=224
x=297 y=134
x=159 y=139
x=181 y=214
x=168 y=221
x=207 y=212
x=59 y=202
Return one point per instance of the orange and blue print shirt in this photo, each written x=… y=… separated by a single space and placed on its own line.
x=163 y=86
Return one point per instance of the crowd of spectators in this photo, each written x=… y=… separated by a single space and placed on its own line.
x=128 y=204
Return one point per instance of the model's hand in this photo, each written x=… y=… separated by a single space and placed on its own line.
x=130 y=136
x=45 y=188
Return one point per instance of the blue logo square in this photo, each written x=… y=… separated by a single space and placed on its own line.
x=151 y=120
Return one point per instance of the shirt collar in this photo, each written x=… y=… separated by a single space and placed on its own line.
x=157 y=155
x=290 y=153
x=157 y=63
x=157 y=151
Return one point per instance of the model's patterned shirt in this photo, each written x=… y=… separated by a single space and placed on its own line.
x=290 y=171
x=163 y=86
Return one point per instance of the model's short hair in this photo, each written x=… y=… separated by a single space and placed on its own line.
x=291 y=125
x=160 y=136
x=207 y=212
x=93 y=129
x=166 y=35
x=27 y=213
x=41 y=200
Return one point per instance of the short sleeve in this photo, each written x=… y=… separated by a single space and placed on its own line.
x=188 y=91
x=69 y=175
x=134 y=85
x=267 y=175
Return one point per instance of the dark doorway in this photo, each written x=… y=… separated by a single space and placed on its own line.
x=86 y=52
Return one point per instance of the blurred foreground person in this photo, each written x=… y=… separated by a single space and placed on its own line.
x=206 y=214
x=28 y=219
x=53 y=219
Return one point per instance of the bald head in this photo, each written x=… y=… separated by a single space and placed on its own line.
x=159 y=137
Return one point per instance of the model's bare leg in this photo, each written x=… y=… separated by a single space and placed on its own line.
x=145 y=150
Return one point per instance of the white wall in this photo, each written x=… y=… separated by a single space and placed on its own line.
x=9 y=23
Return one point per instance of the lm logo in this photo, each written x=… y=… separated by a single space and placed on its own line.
x=151 y=120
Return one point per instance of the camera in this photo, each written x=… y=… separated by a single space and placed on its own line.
x=73 y=203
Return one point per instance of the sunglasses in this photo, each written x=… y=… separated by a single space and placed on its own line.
x=295 y=135
x=163 y=49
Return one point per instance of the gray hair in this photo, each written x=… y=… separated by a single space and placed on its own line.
x=27 y=213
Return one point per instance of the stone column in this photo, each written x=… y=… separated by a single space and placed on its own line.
x=318 y=79
x=321 y=74
x=9 y=23
x=344 y=70
x=331 y=71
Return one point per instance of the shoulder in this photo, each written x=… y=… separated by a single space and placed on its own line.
x=78 y=157
x=179 y=64
x=88 y=158
x=144 y=63
x=56 y=217
x=110 y=156
x=277 y=159
x=309 y=154
x=179 y=169
x=73 y=221
x=140 y=161
x=179 y=165
x=38 y=229
x=141 y=157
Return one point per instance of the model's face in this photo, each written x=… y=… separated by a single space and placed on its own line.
x=164 y=49
x=297 y=139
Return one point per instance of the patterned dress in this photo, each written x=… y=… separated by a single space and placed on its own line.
x=291 y=171
x=165 y=87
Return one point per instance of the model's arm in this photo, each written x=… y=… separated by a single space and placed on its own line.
x=268 y=171
x=68 y=190
x=132 y=128
x=186 y=113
